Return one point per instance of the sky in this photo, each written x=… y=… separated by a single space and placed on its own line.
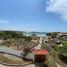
x=33 y=15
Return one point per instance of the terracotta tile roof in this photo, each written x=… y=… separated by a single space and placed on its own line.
x=40 y=52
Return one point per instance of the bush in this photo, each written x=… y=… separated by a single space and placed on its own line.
x=51 y=62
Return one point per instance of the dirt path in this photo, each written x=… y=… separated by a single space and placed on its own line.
x=61 y=63
x=39 y=45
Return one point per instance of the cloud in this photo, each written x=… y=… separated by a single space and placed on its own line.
x=3 y=21
x=58 y=6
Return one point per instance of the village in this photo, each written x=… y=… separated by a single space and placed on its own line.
x=33 y=50
x=33 y=33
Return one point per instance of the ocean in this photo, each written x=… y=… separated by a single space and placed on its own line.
x=36 y=33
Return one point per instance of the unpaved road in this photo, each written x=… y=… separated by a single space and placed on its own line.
x=30 y=65
x=39 y=45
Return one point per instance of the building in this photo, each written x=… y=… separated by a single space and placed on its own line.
x=37 y=55
x=40 y=55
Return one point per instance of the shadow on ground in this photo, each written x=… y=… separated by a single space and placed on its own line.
x=40 y=65
x=63 y=58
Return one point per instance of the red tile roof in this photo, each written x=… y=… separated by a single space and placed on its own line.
x=40 y=52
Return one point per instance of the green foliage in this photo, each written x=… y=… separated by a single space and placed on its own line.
x=33 y=35
x=51 y=62
x=54 y=54
x=27 y=38
x=64 y=43
x=48 y=34
x=10 y=34
x=53 y=34
x=61 y=50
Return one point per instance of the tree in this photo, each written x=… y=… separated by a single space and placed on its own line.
x=33 y=35
x=63 y=50
x=54 y=35
x=10 y=34
x=48 y=34
x=28 y=38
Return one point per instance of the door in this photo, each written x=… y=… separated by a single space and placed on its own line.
x=39 y=58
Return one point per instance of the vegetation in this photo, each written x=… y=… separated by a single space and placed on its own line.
x=27 y=38
x=64 y=43
x=7 y=60
x=10 y=34
x=33 y=35
x=51 y=62
x=53 y=34
x=61 y=50
x=14 y=35
x=58 y=50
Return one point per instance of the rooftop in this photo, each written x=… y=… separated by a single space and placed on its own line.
x=40 y=52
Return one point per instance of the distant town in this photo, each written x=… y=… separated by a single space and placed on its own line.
x=33 y=49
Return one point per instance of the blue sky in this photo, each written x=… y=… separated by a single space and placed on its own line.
x=31 y=15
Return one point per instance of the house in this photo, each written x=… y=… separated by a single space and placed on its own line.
x=13 y=46
x=40 y=55
x=56 y=40
x=16 y=47
x=1 y=41
x=64 y=37
x=37 y=55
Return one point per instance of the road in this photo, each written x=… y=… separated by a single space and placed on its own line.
x=35 y=65
x=31 y=65
x=39 y=45
x=9 y=51
x=58 y=65
x=2 y=65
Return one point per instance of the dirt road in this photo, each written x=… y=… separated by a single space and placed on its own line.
x=39 y=45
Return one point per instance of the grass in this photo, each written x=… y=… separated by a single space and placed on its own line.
x=55 y=55
x=51 y=62
x=64 y=43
